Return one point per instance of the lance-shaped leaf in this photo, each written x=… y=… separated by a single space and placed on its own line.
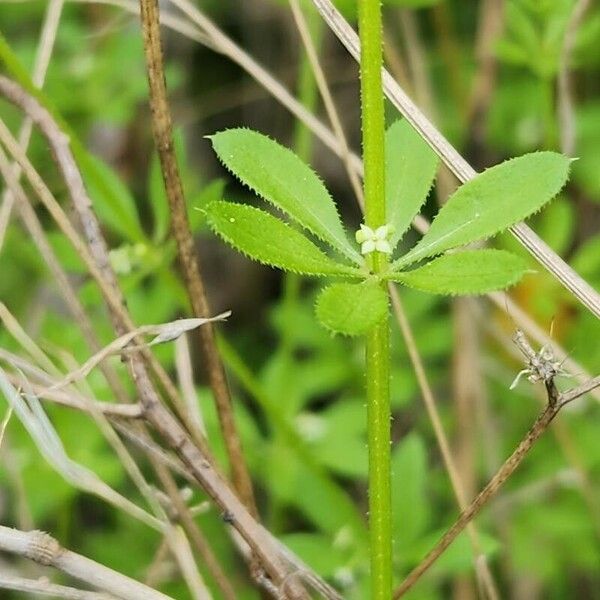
x=269 y=240
x=410 y=166
x=468 y=272
x=352 y=308
x=280 y=177
x=493 y=201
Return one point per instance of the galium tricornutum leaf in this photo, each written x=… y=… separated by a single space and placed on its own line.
x=269 y=240
x=465 y=272
x=279 y=176
x=493 y=201
x=352 y=308
x=410 y=167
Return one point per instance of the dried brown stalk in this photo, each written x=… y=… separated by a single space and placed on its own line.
x=163 y=136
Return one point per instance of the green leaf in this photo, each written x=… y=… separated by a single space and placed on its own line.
x=467 y=272
x=269 y=240
x=337 y=436
x=280 y=177
x=112 y=200
x=493 y=201
x=352 y=309
x=410 y=166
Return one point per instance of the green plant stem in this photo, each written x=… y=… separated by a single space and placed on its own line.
x=378 y=416
x=377 y=347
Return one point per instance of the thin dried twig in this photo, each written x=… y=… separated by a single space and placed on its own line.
x=163 y=333
x=163 y=136
x=42 y=548
x=185 y=378
x=42 y=587
x=196 y=537
x=489 y=28
x=60 y=146
x=78 y=402
x=580 y=288
x=424 y=94
x=167 y=19
x=4 y=423
x=556 y=401
x=467 y=386
x=34 y=227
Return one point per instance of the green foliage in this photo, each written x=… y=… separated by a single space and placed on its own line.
x=280 y=177
x=587 y=167
x=113 y=201
x=467 y=272
x=412 y=3
x=352 y=309
x=410 y=168
x=483 y=207
x=412 y=510
x=271 y=241
x=492 y=202
x=534 y=35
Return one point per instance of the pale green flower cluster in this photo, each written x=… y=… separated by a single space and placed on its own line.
x=374 y=240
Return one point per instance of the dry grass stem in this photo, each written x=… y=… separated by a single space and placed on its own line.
x=566 y=110
x=185 y=377
x=328 y=101
x=42 y=587
x=45 y=550
x=61 y=151
x=163 y=333
x=430 y=402
x=4 y=423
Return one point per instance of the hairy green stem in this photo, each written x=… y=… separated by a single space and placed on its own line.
x=377 y=347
